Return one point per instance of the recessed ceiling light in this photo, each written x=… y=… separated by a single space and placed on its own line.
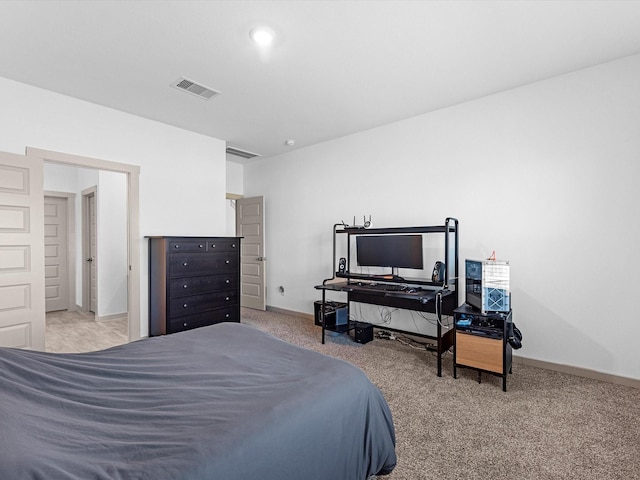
x=262 y=36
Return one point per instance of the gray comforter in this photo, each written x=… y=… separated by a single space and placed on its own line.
x=222 y=402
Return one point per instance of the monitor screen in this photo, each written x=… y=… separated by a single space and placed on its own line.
x=396 y=251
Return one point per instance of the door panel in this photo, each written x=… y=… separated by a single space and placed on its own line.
x=250 y=226
x=56 y=277
x=22 y=305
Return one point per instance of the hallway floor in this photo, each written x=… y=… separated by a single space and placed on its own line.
x=77 y=332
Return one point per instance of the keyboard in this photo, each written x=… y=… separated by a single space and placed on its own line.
x=380 y=287
x=395 y=290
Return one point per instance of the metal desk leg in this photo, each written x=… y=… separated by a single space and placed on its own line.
x=324 y=294
x=438 y=304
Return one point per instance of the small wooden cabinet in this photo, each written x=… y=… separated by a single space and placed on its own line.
x=193 y=282
x=481 y=342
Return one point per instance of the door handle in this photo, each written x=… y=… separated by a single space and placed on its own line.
x=90 y=259
x=261 y=259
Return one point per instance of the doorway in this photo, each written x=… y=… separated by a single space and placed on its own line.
x=250 y=226
x=131 y=283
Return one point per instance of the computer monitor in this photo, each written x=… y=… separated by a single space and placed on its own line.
x=395 y=251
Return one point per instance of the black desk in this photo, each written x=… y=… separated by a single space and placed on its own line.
x=437 y=301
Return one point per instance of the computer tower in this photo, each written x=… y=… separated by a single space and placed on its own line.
x=487 y=285
x=335 y=315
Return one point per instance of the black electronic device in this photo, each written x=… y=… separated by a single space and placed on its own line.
x=491 y=325
x=363 y=332
x=395 y=251
x=438 y=272
x=342 y=265
x=335 y=315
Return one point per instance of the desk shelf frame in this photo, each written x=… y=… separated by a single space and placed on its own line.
x=445 y=299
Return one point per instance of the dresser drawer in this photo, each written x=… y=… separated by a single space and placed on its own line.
x=180 y=287
x=201 y=303
x=223 y=245
x=229 y=314
x=187 y=246
x=187 y=264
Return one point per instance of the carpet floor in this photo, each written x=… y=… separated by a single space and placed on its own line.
x=548 y=425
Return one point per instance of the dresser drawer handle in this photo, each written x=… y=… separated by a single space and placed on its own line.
x=227 y=299
x=227 y=262
x=176 y=246
x=184 y=286
x=227 y=281
x=184 y=264
x=184 y=305
x=227 y=316
x=184 y=324
x=233 y=245
x=213 y=245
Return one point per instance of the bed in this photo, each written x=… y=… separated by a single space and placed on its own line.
x=224 y=402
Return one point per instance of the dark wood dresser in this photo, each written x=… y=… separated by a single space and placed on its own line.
x=193 y=282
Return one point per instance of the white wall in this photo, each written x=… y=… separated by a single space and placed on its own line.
x=234 y=186
x=182 y=174
x=112 y=243
x=546 y=175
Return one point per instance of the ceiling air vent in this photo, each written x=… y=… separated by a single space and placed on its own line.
x=194 y=88
x=241 y=153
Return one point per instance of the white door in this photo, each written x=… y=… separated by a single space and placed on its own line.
x=56 y=275
x=250 y=226
x=22 y=304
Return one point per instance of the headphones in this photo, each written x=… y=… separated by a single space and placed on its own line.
x=515 y=336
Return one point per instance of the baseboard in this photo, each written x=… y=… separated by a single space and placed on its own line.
x=579 y=371
x=307 y=316
x=113 y=316
x=556 y=367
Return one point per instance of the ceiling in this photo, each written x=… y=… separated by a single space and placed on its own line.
x=335 y=67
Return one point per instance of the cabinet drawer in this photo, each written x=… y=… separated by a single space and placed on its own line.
x=479 y=352
x=229 y=314
x=183 y=265
x=180 y=287
x=201 y=303
x=187 y=246
x=223 y=245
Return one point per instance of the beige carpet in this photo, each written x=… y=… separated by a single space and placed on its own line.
x=547 y=425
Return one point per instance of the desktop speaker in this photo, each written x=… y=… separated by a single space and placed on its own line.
x=438 y=272
x=342 y=265
x=363 y=332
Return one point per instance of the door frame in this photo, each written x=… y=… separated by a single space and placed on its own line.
x=133 y=220
x=71 y=243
